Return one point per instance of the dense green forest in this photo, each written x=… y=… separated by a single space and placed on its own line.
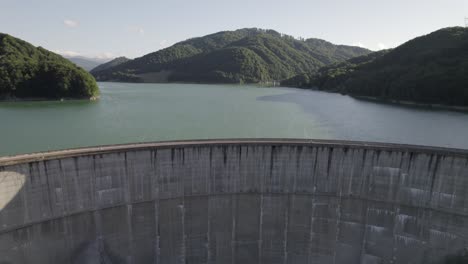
x=110 y=64
x=431 y=69
x=30 y=72
x=331 y=77
x=245 y=55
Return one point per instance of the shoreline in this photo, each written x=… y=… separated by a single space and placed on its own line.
x=456 y=108
x=45 y=99
x=201 y=83
x=411 y=103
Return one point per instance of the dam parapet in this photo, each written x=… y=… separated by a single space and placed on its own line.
x=235 y=201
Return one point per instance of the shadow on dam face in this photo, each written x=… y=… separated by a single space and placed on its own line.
x=235 y=201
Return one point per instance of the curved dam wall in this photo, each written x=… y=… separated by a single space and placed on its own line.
x=235 y=201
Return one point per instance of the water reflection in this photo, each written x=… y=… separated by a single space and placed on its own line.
x=353 y=119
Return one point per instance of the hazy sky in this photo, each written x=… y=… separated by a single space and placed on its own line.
x=135 y=27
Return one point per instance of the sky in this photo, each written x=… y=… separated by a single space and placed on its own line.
x=132 y=28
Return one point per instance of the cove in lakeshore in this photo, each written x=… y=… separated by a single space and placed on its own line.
x=128 y=113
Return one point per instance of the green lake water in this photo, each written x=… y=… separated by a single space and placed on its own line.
x=128 y=113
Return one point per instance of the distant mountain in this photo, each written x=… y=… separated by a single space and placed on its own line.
x=245 y=55
x=431 y=69
x=85 y=62
x=30 y=72
x=110 y=64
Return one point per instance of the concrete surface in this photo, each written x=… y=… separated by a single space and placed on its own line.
x=235 y=201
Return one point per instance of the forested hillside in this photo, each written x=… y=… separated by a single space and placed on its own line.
x=430 y=69
x=245 y=55
x=30 y=72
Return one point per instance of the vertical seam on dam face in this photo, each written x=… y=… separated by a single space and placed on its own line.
x=286 y=201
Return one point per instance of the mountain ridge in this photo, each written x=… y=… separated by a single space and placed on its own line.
x=248 y=55
x=430 y=69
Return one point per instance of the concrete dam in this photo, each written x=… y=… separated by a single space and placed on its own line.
x=235 y=201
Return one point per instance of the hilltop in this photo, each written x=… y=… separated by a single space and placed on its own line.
x=244 y=55
x=30 y=72
x=431 y=69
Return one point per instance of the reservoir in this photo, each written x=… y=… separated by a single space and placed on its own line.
x=159 y=112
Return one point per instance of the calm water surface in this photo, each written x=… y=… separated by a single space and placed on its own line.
x=154 y=112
